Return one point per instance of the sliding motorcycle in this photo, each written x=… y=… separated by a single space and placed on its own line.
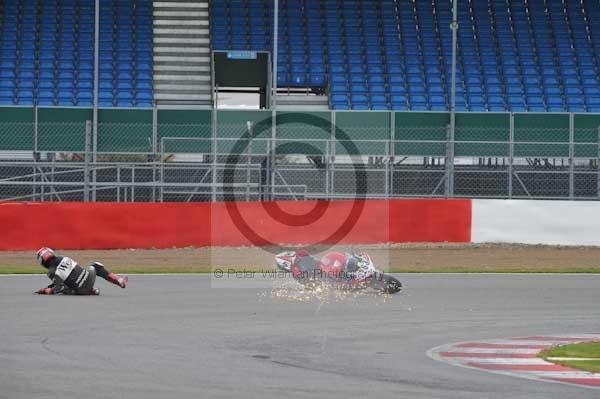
x=344 y=271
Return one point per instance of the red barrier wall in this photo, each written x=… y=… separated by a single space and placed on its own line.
x=27 y=226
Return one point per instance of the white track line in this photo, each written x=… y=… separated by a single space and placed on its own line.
x=493 y=350
x=547 y=343
x=464 y=360
x=564 y=374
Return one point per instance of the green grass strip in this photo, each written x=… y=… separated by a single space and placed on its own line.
x=593 y=366
x=584 y=350
x=587 y=350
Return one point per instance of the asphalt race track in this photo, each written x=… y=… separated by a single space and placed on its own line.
x=188 y=337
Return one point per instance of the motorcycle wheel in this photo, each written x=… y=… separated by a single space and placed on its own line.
x=386 y=283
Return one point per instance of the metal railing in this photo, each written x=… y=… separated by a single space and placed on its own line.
x=257 y=161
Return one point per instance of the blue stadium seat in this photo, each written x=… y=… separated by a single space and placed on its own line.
x=400 y=47
x=524 y=56
x=46 y=61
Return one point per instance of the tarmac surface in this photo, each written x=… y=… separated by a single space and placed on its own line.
x=192 y=336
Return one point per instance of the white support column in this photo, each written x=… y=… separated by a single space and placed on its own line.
x=451 y=132
x=213 y=135
x=571 y=155
x=35 y=152
x=392 y=153
x=511 y=153
x=271 y=162
x=275 y=51
x=86 y=170
x=332 y=151
x=598 y=167
x=155 y=150
x=95 y=109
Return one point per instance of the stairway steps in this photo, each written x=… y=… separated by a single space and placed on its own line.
x=176 y=41
x=181 y=69
x=185 y=78
x=183 y=97
x=181 y=48
x=181 y=40
x=177 y=14
x=180 y=4
x=179 y=22
x=187 y=59
x=180 y=31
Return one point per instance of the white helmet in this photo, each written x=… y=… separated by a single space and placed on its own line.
x=44 y=255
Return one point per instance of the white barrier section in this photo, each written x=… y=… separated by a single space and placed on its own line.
x=536 y=222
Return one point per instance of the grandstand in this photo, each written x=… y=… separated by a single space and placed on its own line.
x=366 y=54
x=376 y=76
x=47 y=50
x=396 y=54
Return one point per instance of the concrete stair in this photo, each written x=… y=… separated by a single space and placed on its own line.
x=181 y=41
x=302 y=101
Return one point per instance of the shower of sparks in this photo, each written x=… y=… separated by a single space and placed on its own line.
x=292 y=291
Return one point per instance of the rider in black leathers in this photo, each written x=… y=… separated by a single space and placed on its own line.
x=71 y=279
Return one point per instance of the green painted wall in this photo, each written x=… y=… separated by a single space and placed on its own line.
x=544 y=134
x=587 y=131
x=415 y=129
x=234 y=127
x=195 y=124
x=62 y=129
x=473 y=128
x=124 y=130
x=416 y=133
x=303 y=132
x=357 y=131
x=16 y=129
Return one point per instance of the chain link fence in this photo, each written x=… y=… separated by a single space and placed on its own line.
x=328 y=156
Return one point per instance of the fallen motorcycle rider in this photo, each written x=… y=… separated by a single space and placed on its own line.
x=68 y=278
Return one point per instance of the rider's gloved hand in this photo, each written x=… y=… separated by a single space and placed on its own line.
x=45 y=291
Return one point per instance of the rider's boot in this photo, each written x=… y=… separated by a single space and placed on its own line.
x=118 y=280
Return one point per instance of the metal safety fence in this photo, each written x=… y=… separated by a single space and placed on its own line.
x=321 y=155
